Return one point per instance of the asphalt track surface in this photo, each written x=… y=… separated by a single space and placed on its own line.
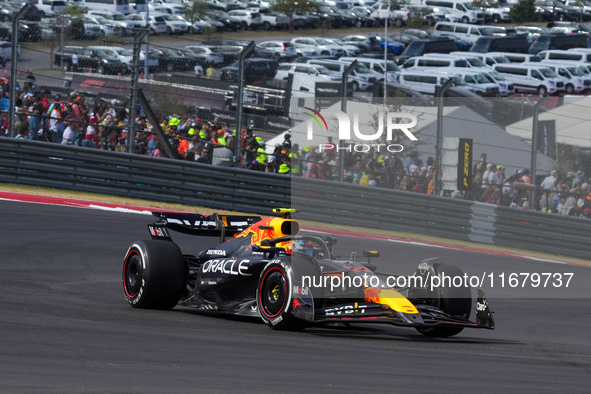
x=66 y=327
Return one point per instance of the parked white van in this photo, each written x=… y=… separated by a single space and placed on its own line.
x=434 y=61
x=479 y=82
x=487 y=58
x=506 y=87
x=556 y=54
x=312 y=71
x=586 y=67
x=426 y=81
x=49 y=7
x=575 y=79
x=532 y=78
x=377 y=66
x=463 y=10
x=464 y=31
x=516 y=57
x=471 y=60
x=361 y=78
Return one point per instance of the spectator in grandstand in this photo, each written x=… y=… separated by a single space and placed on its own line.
x=498 y=178
x=570 y=205
x=91 y=138
x=479 y=169
x=412 y=161
x=579 y=179
x=549 y=182
x=35 y=122
x=68 y=133
x=152 y=144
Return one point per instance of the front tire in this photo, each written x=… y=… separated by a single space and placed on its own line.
x=153 y=274
x=452 y=300
x=542 y=91
x=570 y=89
x=274 y=299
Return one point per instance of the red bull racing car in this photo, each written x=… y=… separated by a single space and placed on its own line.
x=267 y=268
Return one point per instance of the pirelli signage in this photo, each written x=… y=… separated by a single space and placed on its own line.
x=465 y=164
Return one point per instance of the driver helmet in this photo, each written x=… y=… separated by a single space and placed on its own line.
x=303 y=246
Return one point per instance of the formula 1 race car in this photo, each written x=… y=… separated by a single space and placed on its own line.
x=291 y=281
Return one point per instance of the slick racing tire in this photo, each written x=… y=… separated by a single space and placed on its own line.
x=452 y=300
x=274 y=298
x=153 y=274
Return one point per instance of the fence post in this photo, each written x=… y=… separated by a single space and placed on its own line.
x=147 y=57
x=344 y=89
x=13 y=61
x=534 y=148
x=243 y=54
x=135 y=64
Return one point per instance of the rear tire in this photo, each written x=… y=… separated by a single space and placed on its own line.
x=452 y=300
x=274 y=299
x=153 y=274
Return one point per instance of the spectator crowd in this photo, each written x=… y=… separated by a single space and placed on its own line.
x=72 y=120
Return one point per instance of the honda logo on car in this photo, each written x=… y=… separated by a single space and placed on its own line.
x=231 y=267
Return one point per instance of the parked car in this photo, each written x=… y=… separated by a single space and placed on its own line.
x=119 y=21
x=95 y=60
x=248 y=20
x=157 y=23
x=206 y=56
x=368 y=43
x=420 y=47
x=176 y=24
x=170 y=59
x=255 y=69
x=285 y=49
x=324 y=46
x=230 y=22
x=316 y=72
x=169 y=6
x=275 y=20
x=530 y=77
x=126 y=56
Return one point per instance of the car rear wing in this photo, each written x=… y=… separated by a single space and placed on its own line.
x=204 y=225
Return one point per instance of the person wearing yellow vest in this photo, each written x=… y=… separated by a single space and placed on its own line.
x=261 y=157
x=295 y=163
x=364 y=180
x=285 y=160
x=284 y=169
